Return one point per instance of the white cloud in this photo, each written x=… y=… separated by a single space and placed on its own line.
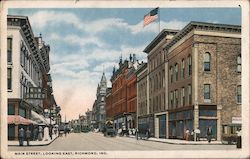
x=78 y=40
x=42 y=18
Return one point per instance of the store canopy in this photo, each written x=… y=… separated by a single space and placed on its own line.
x=19 y=120
x=38 y=118
x=50 y=121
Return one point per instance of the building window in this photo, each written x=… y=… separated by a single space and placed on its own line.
x=11 y=109
x=9 y=78
x=9 y=50
x=171 y=74
x=160 y=78
x=183 y=69
x=207 y=61
x=189 y=94
x=163 y=78
x=183 y=96
x=176 y=98
x=207 y=92
x=189 y=65
x=171 y=99
x=239 y=63
x=176 y=72
x=239 y=94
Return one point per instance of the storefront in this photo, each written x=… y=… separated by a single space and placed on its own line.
x=208 y=117
x=162 y=126
x=179 y=122
x=146 y=123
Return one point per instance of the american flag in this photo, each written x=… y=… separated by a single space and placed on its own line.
x=151 y=16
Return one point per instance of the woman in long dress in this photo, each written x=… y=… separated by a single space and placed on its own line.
x=40 y=133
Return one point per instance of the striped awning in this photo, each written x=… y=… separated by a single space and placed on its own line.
x=19 y=120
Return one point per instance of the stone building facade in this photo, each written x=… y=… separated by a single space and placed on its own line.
x=145 y=120
x=204 y=78
x=157 y=82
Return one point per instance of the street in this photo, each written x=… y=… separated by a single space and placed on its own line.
x=97 y=142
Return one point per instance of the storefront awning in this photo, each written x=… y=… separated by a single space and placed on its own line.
x=39 y=118
x=19 y=120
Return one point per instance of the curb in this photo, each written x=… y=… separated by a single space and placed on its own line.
x=36 y=145
x=178 y=143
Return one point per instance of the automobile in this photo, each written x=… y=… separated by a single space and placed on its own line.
x=109 y=129
x=85 y=129
x=229 y=133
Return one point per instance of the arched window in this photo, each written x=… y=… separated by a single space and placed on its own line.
x=183 y=96
x=160 y=80
x=239 y=63
x=176 y=72
x=171 y=75
x=183 y=69
x=189 y=65
x=163 y=78
x=207 y=61
x=156 y=84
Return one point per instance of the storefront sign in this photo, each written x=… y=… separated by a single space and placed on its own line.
x=236 y=120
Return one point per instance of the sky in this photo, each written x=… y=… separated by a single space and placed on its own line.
x=85 y=42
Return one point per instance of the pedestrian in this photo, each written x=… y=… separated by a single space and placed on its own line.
x=187 y=134
x=148 y=133
x=197 y=133
x=50 y=132
x=209 y=134
x=238 y=132
x=28 y=135
x=192 y=135
x=35 y=134
x=65 y=131
x=21 y=136
x=40 y=133
x=136 y=133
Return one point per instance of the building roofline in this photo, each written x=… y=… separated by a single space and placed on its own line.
x=158 y=38
x=202 y=26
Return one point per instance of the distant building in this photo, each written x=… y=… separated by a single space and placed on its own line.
x=89 y=117
x=123 y=108
x=100 y=102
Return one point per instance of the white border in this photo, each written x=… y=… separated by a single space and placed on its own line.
x=241 y=153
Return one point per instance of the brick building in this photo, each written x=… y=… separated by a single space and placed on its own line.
x=123 y=94
x=204 y=78
x=109 y=103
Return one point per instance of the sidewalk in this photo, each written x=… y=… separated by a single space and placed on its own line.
x=34 y=143
x=179 y=142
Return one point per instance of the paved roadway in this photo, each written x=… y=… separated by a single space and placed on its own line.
x=97 y=142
